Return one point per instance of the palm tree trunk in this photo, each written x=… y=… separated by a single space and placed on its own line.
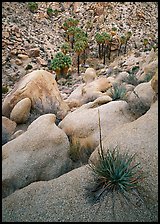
x=99 y=50
x=119 y=49
x=78 y=63
x=104 y=54
x=84 y=53
x=125 y=47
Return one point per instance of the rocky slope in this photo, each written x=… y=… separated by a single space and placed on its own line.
x=23 y=31
x=50 y=128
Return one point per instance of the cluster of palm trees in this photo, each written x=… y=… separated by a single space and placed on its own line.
x=76 y=39
x=106 y=40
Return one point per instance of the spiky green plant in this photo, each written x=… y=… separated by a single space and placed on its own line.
x=33 y=6
x=131 y=79
x=118 y=91
x=115 y=171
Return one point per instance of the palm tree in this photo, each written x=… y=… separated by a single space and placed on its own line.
x=128 y=35
x=100 y=40
x=79 y=47
x=65 y=48
x=145 y=42
x=122 y=41
x=81 y=36
x=107 y=46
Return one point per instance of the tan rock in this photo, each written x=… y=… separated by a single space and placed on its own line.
x=9 y=125
x=41 y=88
x=154 y=82
x=89 y=75
x=5 y=34
x=89 y=92
x=21 y=111
x=34 y=52
x=41 y=61
x=18 y=61
x=22 y=56
x=16 y=134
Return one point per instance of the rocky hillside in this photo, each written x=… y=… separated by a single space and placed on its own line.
x=81 y=146
x=29 y=40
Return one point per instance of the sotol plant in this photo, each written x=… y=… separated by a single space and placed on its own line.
x=115 y=172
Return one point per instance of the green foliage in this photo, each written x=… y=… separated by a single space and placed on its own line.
x=147 y=77
x=116 y=171
x=4 y=89
x=128 y=35
x=65 y=48
x=60 y=61
x=79 y=46
x=50 y=11
x=33 y=6
x=122 y=39
x=131 y=79
x=99 y=38
x=107 y=37
x=118 y=91
x=70 y=22
x=145 y=41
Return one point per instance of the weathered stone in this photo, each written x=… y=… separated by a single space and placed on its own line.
x=88 y=92
x=21 y=111
x=23 y=56
x=34 y=52
x=89 y=75
x=41 y=88
x=41 y=153
x=9 y=125
x=82 y=124
x=18 y=61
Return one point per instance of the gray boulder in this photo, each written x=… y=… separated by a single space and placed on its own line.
x=41 y=153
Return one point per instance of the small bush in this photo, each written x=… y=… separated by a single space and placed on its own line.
x=4 y=89
x=33 y=6
x=118 y=91
x=131 y=79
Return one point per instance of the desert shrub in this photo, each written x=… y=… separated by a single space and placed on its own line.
x=131 y=79
x=50 y=11
x=118 y=91
x=33 y=6
x=5 y=89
